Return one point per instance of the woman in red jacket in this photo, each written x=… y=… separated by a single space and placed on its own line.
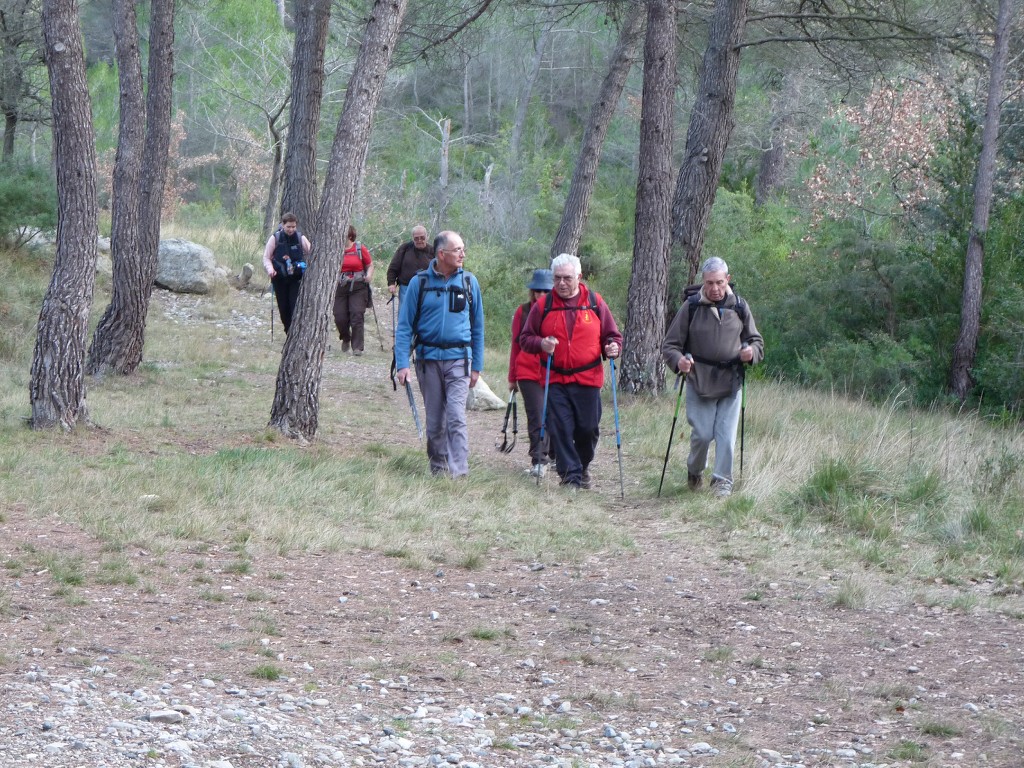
x=352 y=296
x=526 y=375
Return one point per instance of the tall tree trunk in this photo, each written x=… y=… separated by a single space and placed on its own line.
x=274 y=187
x=522 y=108
x=307 y=91
x=584 y=176
x=711 y=124
x=772 y=168
x=57 y=381
x=966 y=348
x=140 y=173
x=641 y=367
x=10 y=126
x=297 y=398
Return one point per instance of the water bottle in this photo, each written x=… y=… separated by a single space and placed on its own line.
x=288 y=266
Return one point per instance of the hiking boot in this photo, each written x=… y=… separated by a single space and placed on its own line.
x=345 y=345
x=721 y=488
x=538 y=471
x=357 y=352
x=693 y=482
x=585 y=482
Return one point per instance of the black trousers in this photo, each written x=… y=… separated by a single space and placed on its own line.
x=287 y=293
x=574 y=418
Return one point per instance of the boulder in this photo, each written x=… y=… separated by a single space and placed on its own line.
x=242 y=279
x=185 y=267
x=481 y=398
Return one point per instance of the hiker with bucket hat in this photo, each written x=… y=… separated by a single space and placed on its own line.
x=526 y=375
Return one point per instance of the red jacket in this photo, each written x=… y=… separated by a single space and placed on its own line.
x=523 y=366
x=582 y=334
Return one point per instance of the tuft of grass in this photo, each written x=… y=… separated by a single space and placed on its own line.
x=490 y=633
x=269 y=672
x=851 y=594
x=719 y=654
x=940 y=729
x=909 y=750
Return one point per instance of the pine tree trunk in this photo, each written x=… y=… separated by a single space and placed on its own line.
x=522 y=108
x=711 y=124
x=641 y=366
x=297 y=397
x=139 y=175
x=966 y=348
x=584 y=176
x=307 y=90
x=57 y=382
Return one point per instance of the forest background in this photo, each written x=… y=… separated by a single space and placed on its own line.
x=843 y=207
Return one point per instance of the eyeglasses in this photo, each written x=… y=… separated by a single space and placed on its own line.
x=564 y=278
x=453 y=251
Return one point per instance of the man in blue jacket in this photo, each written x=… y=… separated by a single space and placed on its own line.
x=441 y=320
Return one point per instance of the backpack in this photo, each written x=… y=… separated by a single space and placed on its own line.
x=415 y=341
x=281 y=261
x=594 y=299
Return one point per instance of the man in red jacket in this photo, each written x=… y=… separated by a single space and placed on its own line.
x=575 y=329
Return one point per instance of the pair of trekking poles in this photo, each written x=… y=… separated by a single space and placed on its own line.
x=544 y=418
x=681 y=382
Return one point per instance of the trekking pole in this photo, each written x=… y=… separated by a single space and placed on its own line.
x=618 y=436
x=271 y=313
x=376 y=322
x=502 y=443
x=394 y=383
x=415 y=410
x=743 y=406
x=544 y=409
x=680 y=382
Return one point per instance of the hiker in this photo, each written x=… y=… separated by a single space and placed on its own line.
x=526 y=375
x=442 y=321
x=352 y=296
x=710 y=340
x=284 y=258
x=574 y=326
x=410 y=258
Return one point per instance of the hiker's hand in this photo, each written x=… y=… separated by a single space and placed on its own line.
x=747 y=353
x=684 y=365
x=548 y=344
x=403 y=376
x=474 y=377
x=611 y=350
x=513 y=386
x=393 y=289
x=272 y=273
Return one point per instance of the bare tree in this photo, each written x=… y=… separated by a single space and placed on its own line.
x=584 y=175
x=523 y=105
x=20 y=56
x=300 y=179
x=711 y=124
x=966 y=347
x=296 y=404
x=648 y=283
x=57 y=382
x=140 y=172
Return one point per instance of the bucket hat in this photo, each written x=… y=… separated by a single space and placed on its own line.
x=542 y=280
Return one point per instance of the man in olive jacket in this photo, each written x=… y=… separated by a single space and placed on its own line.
x=710 y=340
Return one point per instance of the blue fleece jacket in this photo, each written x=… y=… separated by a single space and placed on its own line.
x=446 y=318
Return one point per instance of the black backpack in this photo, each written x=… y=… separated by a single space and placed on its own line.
x=281 y=261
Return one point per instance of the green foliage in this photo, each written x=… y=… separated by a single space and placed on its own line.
x=28 y=203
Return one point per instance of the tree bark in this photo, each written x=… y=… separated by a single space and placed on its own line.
x=307 y=90
x=966 y=347
x=641 y=366
x=711 y=124
x=18 y=29
x=584 y=176
x=139 y=176
x=57 y=381
x=522 y=108
x=772 y=168
x=297 y=398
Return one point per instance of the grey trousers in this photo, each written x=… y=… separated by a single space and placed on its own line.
x=444 y=385
x=712 y=419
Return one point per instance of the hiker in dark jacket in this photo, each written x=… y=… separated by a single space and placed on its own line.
x=442 y=321
x=284 y=258
x=710 y=340
x=410 y=258
x=573 y=326
x=352 y=296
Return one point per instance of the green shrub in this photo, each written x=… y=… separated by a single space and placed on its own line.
x=28 y=203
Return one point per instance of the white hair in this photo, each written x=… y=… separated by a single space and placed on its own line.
x=567 y=259
x=714 y=264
